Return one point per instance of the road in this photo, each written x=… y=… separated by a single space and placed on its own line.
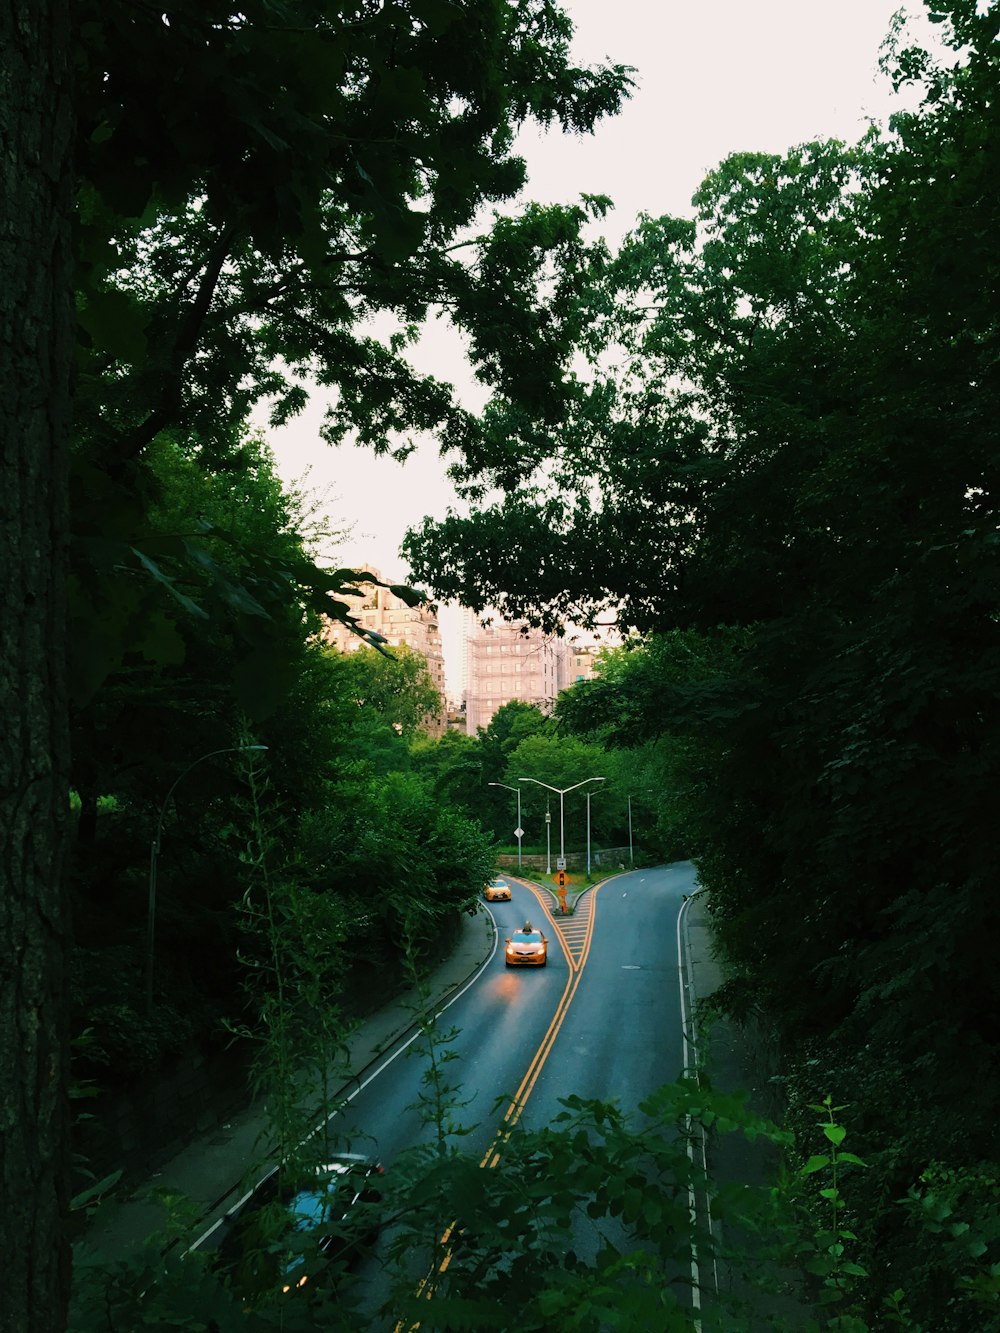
x=602 y=1019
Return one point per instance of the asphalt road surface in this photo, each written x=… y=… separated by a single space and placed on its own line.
x=603 y=1019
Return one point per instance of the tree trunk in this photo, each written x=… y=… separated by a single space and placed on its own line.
x=36 y=357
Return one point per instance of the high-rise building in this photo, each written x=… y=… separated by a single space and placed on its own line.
x=417 y=627
x=508 y=662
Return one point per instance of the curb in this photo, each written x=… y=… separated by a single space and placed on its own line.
x=206 y=1164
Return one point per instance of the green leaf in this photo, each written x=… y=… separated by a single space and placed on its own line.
x=116 y=323
x=153 y=568
x=94 y=1192
x=850 y=1157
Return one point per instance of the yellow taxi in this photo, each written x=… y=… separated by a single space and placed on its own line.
x=527 y=947
x=497 y=890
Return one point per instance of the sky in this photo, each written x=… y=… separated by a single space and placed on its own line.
x=713 y=78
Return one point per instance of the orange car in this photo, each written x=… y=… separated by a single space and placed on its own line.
x=497 y=891
x=527 y=948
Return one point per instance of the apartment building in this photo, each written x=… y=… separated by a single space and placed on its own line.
x=504 y=662
x=578 y=662
x=415 y=626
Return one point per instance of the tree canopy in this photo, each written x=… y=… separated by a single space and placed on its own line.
x=221 y=202
x=285 y=196
x=781 y=466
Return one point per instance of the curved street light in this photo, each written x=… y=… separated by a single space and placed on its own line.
x=561 y=792
x=154 y=852
x=519 y=831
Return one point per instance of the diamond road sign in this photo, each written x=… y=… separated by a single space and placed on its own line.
x=519 y=832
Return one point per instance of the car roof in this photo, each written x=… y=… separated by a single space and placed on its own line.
x=335 y=1165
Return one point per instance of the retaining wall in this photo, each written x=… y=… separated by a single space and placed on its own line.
x=607 y=858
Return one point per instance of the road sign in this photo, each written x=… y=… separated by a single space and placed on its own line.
x=560 y=863
x=519 y=832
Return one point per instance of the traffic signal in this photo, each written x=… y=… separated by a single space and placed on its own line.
x=561 y=878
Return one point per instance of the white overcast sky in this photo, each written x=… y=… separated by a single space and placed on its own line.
x=713 y=77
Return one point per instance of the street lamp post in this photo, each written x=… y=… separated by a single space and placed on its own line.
x=588 y=835
x=154 y=851
x=548 y=839
x=631 y=858
x=519 y=831
x=561 y=792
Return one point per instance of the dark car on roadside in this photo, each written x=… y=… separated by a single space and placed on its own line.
x=299 y=1225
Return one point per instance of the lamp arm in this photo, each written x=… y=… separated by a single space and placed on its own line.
x=582 y=784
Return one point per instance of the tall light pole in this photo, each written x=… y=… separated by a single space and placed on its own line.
x=548 y=838
x=519 y=831
x=588 y=835
x=631 y=858
x=154 y=851
x=561 y=792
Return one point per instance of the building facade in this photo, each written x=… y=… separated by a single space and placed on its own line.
x=415 y=626
x=578 y=663
x=505 y=662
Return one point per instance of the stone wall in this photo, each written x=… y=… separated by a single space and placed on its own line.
x=138 y=1127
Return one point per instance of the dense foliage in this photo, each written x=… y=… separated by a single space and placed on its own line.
x=788 y=479
x=296 y=209
x=780 y=470
x=263 y=194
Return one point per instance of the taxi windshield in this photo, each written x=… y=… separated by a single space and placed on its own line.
x=526 y=937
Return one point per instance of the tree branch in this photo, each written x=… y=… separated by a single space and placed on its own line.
x=188 y=331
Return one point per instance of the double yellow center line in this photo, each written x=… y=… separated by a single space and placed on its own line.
x=514 y=1111
x=516 y=1107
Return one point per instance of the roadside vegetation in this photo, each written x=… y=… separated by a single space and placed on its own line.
x=796 y=453
x=778 y=475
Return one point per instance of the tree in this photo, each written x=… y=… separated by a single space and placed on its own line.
x=710 y=343
x=317 y=180
x=313 y=168
x=512 y=723
x=396 y=684
x=795 y=460
x=36 y=125
x=563 y=762
x=640 y=707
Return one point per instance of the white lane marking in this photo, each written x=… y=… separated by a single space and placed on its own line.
x=382 y=1067
x=687 y=1048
